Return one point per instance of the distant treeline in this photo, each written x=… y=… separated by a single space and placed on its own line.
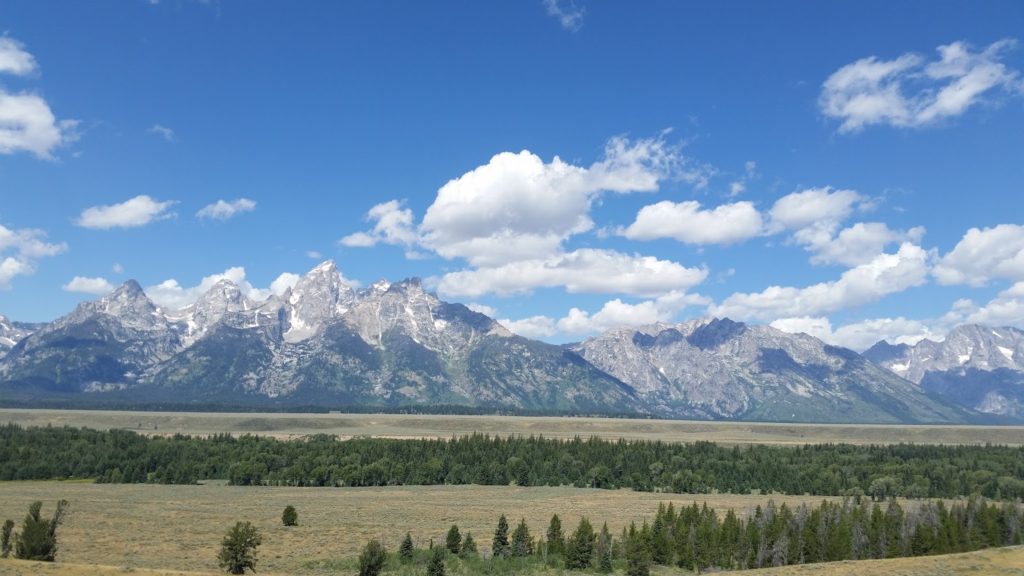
x=915 y=471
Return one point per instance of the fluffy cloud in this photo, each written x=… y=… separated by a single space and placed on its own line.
x=26 y=122
x=585 y=270
x=688 y=222
x=566 y=12
x=812 y=207
x=616 y=313
x=85 y=285
x=518 y=207
x=20 y=249
x=138 y=211
x=28 y=125
x=532 y=327
x=861 y=335
x=855 y=245
x=910 y=91
x=14 y=59
x=392 y=225
x=483 y=309
x=1006 y=309
x=983 y=255
x=172 y=295
x=221 y=210
x=884 y=274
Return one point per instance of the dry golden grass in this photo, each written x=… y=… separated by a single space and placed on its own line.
x=180 y=527
x=412 y=426
x=994 y=562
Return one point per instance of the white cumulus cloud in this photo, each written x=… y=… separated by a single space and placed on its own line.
x=885 y=274
x=223 y=210
x=579 y=271
x=860 y=335
x=172 y=295
x=97 y=286
x=911 y=91
x=138 y=211
x=14 y=59
x=532 y=327
x=688 y=222
x=982 y=255
x=392 y=224
x=19 y=251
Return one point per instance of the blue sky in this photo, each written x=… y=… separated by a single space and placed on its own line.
x=849 y=169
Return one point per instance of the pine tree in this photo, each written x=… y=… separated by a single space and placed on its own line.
x=468 y=546
x=6 y=538
x=638 y=558
x=453 y=541
x=371 y=560
x=238 y=548
x=579 y=550
x=435 y=567
x=38 y=537
x=556 y=541
x=499 y=545
x=290 y=517
x=522 y=542
x=603 y=550
x=407 y=549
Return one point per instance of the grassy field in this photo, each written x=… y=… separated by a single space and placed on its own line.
x=415 y=426
x=179 y=527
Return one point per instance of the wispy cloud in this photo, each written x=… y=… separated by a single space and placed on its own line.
x=910 y=91
x=568 y=14
x=162 y=131
x=138 y=211
x=222 y=210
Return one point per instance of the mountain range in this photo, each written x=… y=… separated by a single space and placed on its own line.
x=324 y=343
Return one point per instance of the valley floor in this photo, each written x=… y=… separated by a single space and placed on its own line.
x=287 y=425
x=178 y=528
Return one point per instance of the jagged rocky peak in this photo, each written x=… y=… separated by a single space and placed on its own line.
x=222 y=300
x=10 y=333
x=966 y=347
x=317 y=298
x=128 y=303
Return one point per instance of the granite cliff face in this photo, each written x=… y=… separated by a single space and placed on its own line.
x=979 y=367
x=321 y=342
x=718 y=368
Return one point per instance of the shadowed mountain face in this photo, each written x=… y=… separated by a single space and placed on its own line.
x=321 y=342
x=719 y=368
x=975 y=366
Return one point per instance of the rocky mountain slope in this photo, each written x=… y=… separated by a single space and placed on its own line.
x=11 y=332
x=975 y=366
x=321 y=342
x=717 y=368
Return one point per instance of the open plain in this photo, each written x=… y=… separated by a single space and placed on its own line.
x=290 y=425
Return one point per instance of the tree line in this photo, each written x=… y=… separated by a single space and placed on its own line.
x=699 y=539
x=116 y=456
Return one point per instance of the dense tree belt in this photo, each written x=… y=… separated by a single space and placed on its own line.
x=918 y=471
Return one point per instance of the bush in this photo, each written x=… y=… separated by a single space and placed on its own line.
x=6 y=539
x=371 y=560
x=290 y=517
x=238 y=549
x=453 y=541
x=468 y=546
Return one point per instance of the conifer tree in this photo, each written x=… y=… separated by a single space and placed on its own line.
x=499 y=545
x=406 y=549
x=603 y=550
x=38 y=537
x=638 y=558
x=453 y=541
x=6 y=538
x=372 y=558
x=556 y=541
x=435 y=567
x=238 y=548
x=579 y=549
x=522 y=542
x=468 y=546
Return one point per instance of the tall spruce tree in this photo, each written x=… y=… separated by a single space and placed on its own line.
x=603 y=550
x=579 y=549
x=38 y=537
x=555 y=538
x=522 y=542
x=638 y=554
x=453 y=541
x=407 y=549
x=499 y=545
x=238 y=548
